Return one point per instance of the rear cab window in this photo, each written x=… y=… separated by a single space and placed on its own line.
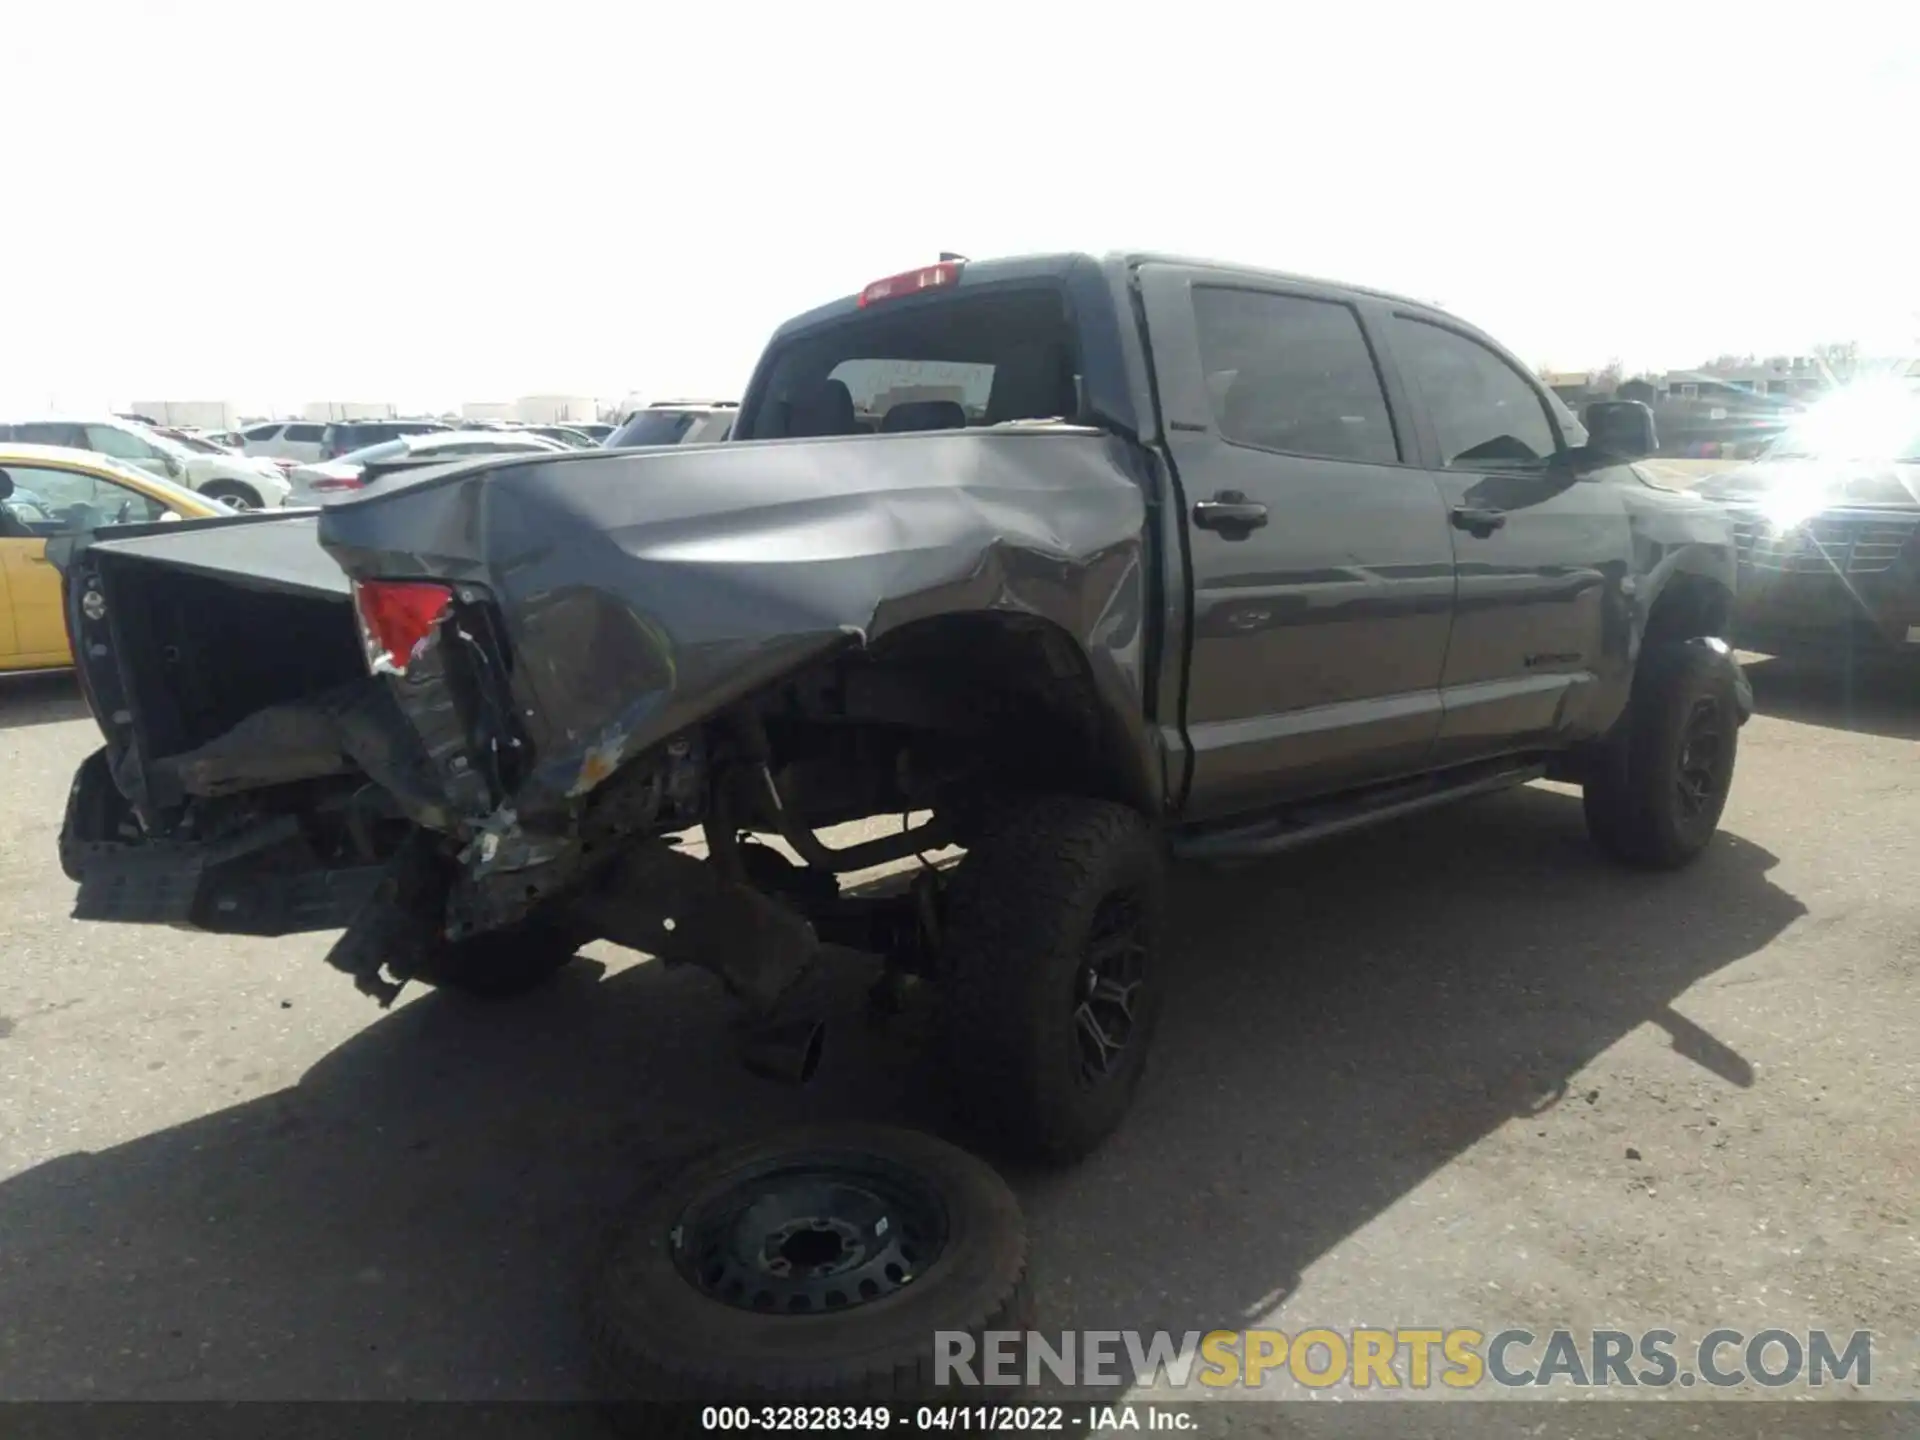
x=981 y=357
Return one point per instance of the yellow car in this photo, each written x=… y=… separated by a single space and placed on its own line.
x=45 y=491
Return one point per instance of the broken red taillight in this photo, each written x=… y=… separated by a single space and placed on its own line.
x=397 y=618
x=912 y=282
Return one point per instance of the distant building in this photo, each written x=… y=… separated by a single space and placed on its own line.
x=1580 y=387
x=535 y=409
x=1795 y=377
x=199 y=414
x=556 y=409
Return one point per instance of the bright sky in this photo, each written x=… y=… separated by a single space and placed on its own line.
x=289 y=200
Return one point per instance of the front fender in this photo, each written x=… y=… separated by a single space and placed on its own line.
x=1723 y=655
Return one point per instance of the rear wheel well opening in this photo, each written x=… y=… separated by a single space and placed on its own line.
x=1689 y=607
x=947 y=710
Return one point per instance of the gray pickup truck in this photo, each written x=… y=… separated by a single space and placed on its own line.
x=1087 y=562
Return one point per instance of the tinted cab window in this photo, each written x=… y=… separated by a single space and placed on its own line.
x=1486 y=415
x=1292 y=374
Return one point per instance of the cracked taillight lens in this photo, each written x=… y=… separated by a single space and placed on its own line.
x=397 y=619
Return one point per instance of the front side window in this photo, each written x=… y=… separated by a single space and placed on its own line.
x=305 y=434
x=260 y=434
x=120 y=444
x=45 y=501
x=1293 y=374
x=1486 y=415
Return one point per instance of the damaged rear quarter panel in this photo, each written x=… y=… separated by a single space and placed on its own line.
x=643 y=591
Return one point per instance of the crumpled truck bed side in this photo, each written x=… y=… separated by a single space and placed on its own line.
x=643 y=591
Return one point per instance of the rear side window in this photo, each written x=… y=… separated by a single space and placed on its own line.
x=51 y=432
x=1293 y=374
x=975 y=358
x=1485 y=413
x=261 y=433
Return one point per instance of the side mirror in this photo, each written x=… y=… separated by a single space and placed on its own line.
x=1621 y=427
x=175 y=470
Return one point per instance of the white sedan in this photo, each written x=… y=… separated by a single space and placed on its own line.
x=314 y=484
x=242 y=482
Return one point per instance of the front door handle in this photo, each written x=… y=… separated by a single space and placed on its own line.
x=1231 y=514
x=1478 y=523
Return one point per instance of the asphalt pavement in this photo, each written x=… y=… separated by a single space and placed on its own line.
x=1459 y=1072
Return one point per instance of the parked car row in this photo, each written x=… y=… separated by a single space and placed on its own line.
x=314 y=483
x=241 y=482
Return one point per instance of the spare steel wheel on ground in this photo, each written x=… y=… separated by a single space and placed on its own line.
x=816 y=1265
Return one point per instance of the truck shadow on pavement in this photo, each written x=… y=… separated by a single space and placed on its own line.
x=1877 y=698
x=416 y=1216
x=40 y=698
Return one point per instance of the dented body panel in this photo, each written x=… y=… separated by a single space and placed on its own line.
x=642 y=591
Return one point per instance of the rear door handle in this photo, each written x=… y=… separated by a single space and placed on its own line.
x=1231 y=514
x=1478 y=523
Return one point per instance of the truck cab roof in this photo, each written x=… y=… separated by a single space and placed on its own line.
x=1060 y=264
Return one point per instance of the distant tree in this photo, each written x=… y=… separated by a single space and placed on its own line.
x=1839 y=359
x=1607 y=377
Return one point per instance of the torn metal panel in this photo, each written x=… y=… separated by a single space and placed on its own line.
x=643 y=591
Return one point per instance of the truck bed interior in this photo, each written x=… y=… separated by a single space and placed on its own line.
x=181 y=635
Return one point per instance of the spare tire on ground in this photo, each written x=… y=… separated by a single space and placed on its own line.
x=817 y=1265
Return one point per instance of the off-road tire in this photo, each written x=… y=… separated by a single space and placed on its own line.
x=1632 y=796
x=241 y=497
x=1018 y=920
x=654 y=1336
x=500 y=964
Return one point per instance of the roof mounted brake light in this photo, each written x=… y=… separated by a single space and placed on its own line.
x=912 y=282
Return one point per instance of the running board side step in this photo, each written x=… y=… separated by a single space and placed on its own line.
x=1313 y=820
